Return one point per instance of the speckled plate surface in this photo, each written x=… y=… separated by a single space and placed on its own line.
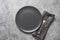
x=28 y=19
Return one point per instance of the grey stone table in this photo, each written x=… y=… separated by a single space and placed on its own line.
x=8 y=10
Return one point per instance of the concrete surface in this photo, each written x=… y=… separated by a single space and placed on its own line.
x=8 y=10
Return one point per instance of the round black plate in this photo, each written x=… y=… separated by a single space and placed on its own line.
x=28 y=19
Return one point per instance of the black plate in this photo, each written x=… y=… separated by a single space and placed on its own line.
x=28 y=19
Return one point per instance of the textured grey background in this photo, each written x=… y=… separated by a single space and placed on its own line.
x=8 y=10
